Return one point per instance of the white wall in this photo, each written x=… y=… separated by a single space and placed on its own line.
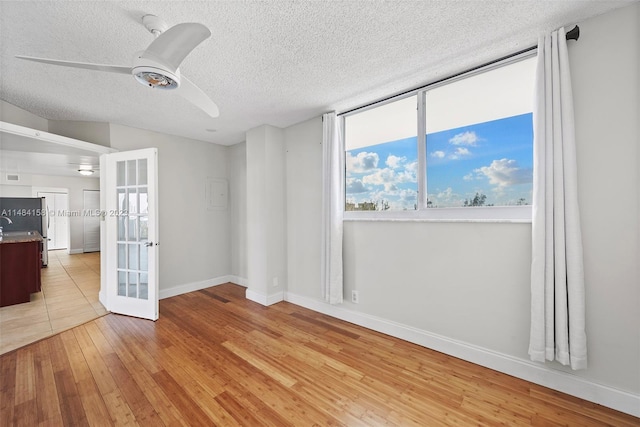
x=303 y=144
x=266 y=215
x=194 y=241
x=237 y=169
x=468 y=283
x=605 y=66
x=15 y=191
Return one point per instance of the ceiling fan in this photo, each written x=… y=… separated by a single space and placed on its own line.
x=157 y=66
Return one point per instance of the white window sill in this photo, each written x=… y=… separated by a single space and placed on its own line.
x=506 y=214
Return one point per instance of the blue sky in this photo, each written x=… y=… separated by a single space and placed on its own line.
x=493 y=158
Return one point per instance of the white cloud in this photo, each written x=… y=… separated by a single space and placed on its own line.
x=438 y=154
x=355 y=186
x=446 y=194
x=445 y=198
x=505 y=172
x=362 y=162
x=460 y=152
x=412 y=167
x=394 y=162
x=464 y=138
x=407 y=176
x=380 y=177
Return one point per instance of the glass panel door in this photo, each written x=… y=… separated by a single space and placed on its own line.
x=133 y=242
x=132 y=233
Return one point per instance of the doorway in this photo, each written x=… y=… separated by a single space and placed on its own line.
x=57 y=203
x=91 y=218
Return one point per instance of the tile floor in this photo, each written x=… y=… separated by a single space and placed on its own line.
x=69 y=297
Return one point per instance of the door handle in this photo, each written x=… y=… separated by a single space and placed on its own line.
x=148 y=244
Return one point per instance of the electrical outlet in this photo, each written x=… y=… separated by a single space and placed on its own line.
x=355 y=297
x=275 y=282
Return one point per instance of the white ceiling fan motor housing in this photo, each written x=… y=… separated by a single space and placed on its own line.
x=154 y=74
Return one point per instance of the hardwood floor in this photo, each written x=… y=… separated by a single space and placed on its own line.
x=215 y=358
x=69 y=297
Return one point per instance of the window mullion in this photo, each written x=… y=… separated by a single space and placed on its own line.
x=422 y=151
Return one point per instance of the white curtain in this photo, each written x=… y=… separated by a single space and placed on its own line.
x=332 y=208
x=557 y=277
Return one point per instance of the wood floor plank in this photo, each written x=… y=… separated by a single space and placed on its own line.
x=8 y=374
x=160 y=402
x=71 y=408
x=48 y=408
x=92 y=400
x=26 y=378
x=215 y=358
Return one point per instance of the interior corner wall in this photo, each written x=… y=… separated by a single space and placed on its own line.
x=605 y=70
x=237 y=164
x=266 y=215
x=469 y=283
x=303 y=144
x=194 y=241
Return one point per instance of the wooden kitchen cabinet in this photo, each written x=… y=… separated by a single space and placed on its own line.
x=20 y=263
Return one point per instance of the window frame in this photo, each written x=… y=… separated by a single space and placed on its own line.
x=517 y=214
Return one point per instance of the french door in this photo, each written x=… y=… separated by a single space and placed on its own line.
x=131 y=222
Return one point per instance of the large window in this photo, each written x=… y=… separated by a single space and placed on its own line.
x=464 y=144
x=382 y=158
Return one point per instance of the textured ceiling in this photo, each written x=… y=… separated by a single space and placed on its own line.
x=274 y=62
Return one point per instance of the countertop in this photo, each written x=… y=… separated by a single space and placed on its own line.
x=20 y=237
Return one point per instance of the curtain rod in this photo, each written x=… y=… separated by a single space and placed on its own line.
x=573 y=34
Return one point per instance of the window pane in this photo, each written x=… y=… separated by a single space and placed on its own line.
x=144 y=286
x=480 y=139
x=120 y=173
x=133 y=257
x=133 y=285
x=133 y=200
x=131 y=172
x=144 y=201
x=381 y=157
x=122 y=199
x=142 y=171
x=132 y=228
x=122 y=283
x=122 y=256
x=121 y=227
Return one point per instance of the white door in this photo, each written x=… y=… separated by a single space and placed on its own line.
x=131 y=221
x=57 y=219
x=91 y=226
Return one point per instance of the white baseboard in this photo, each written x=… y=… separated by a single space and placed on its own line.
x=264 y=299
x=536 y=373
x=194 y=286
x=239 y=280
x=75 y=251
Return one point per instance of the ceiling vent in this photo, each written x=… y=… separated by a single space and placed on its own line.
x=13 y=177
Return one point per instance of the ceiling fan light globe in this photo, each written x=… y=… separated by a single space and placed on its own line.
x=156 y=78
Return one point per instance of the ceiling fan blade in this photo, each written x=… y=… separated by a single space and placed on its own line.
x=197 y=97
x=176 y=43
x=87 y=66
